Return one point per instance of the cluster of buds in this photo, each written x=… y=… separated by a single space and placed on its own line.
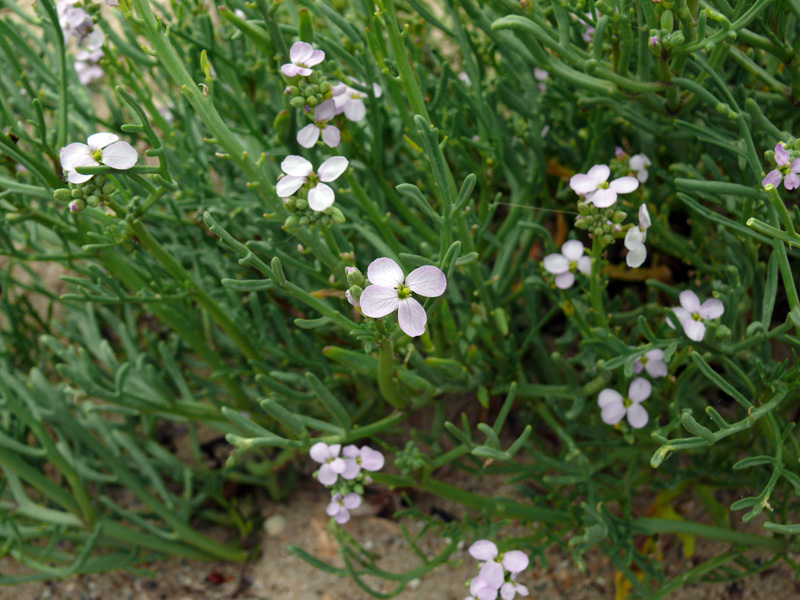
x=302 y=215
x=95 y=192
x=345 y=475
x=308 y=92
x=604 y=223
x=665 y=38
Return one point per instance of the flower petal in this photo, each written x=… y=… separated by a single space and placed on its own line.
x=634 y=239
x=781 y=155
x=639 y=162
x=624 y=185
x=411 y=317
x=774 y=177
x=565 y=280
x=556 y=263
x=308 y=135
x=331 y=136
x=792 y=181
x=120 y=155
x=573 y=250
x=637 y=416
x=712 y=309
x=493 y=574
x=75 y=177
x=515 y=561
x=483 y=550
x=644 y=217
x=428 y=281
x=75 y=155
x=288 y=185
x=290 y=70
x=582 y=184
x=609 y=397
x=320 y=197
x=296 y=166
x=636 y=257
x=352 y=500
x=611 y=415
x=325 y=111
x=372 y=460
x=378 y=301
x=603 y=198
x=98 y=141
x=585 y=265
x=355 y=109
x=351 y=469
x=385 y=272
x=317 y=56
x=326 y=476
x=320 y=452
x=695 y=330
x=342 y=516
x=300 y=52
x=656 y=368
x=639 y=389
x=332 y=168
x=599 y=173
x=689 y=301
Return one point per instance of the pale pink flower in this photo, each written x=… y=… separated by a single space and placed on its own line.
x=596 y=189
x=785 y=169
x=652 y=362
x=511 y=588
x=323 y=114
x=390 y=291
x=635 y=239
x=357 y=459
x=691 y=314
x=340 y=508
x=299 y=171
x=100 y=149
x=303 y=57
x=332 y=464
x=613 y=406
x=480 y=589
x=495 y=564
x=564 y=265
x=638 y=164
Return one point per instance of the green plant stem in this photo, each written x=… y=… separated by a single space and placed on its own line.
x=596 y=283
x=387 y=382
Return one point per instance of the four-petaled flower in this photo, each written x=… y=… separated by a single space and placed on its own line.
x=361 y=458
x=691 y=314
x=340 y=508
x=495 y=564
x=332 y=464
x=635 y=239
x=309 y=134
x=390 y=291
x=303 y=57
x=100 y=149
x=785 y=169
x=299 y=171
x=652 y=362
x=596 y=189
x=564 y=265
x=613 y=406
x=511 y=588
x=480 y=589
x=639 y=164
x=351 y=101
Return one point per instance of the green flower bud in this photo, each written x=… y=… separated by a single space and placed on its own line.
x=583 y=209
x=337 y=216
x=582 y=223
x=325 y=86
x=355 y=292
x=77 y=193
x=298 y=102
x=607 y=239
x=93 y=200
x=292 y=90
x=354 y=277
x=618 y=216
x=108 y=189
x=301 y=204
x=292 y=222
x=667 y=20
x=675 y=39
x=312 y=101
x=304 y=220
x=62 y=195
x=99 y=180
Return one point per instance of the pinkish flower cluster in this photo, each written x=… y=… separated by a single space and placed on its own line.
x=693 y=315
x=345 y=475
x=614 y=407
x=787 y=170
x=498 y=574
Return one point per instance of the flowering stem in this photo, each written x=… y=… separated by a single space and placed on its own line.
x=596 y=283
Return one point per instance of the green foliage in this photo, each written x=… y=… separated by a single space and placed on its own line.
x=198 y=300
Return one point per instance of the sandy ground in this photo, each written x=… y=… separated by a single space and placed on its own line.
x=278 y=575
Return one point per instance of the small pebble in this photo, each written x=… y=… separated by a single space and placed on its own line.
x=274 y=525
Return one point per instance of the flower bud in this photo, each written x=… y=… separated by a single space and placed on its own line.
x=619 y=216
x=63 y=195
x=354 y=292
x=301 y=204
x=325 y=87
x=582 y=223
x=77 y=193
x=298 y=102
x=292 y=222
x=312 y=101
x=674 y=39
x=77 y=205
x=93 y=200
x=667 y=20
x=583 y=209
x=354 y=276
x=336 y=215
x=108 y=189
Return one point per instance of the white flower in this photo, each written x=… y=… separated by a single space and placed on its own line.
x=564 y=265
x=691 y=314
x=357 y=459
x=652 y=362
x=639 y=164
x=480 y=589
x=332 y=464
x=495 y=565
x=635 y=238
x=595 y=187
x=309 y=134
x=613 y=406
x=351 y=102
x=390 y=291
x=340 y=508
x=303 y=57
x=299 y=171
x=511 y=588
x=102 y=149
x=541 y=76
